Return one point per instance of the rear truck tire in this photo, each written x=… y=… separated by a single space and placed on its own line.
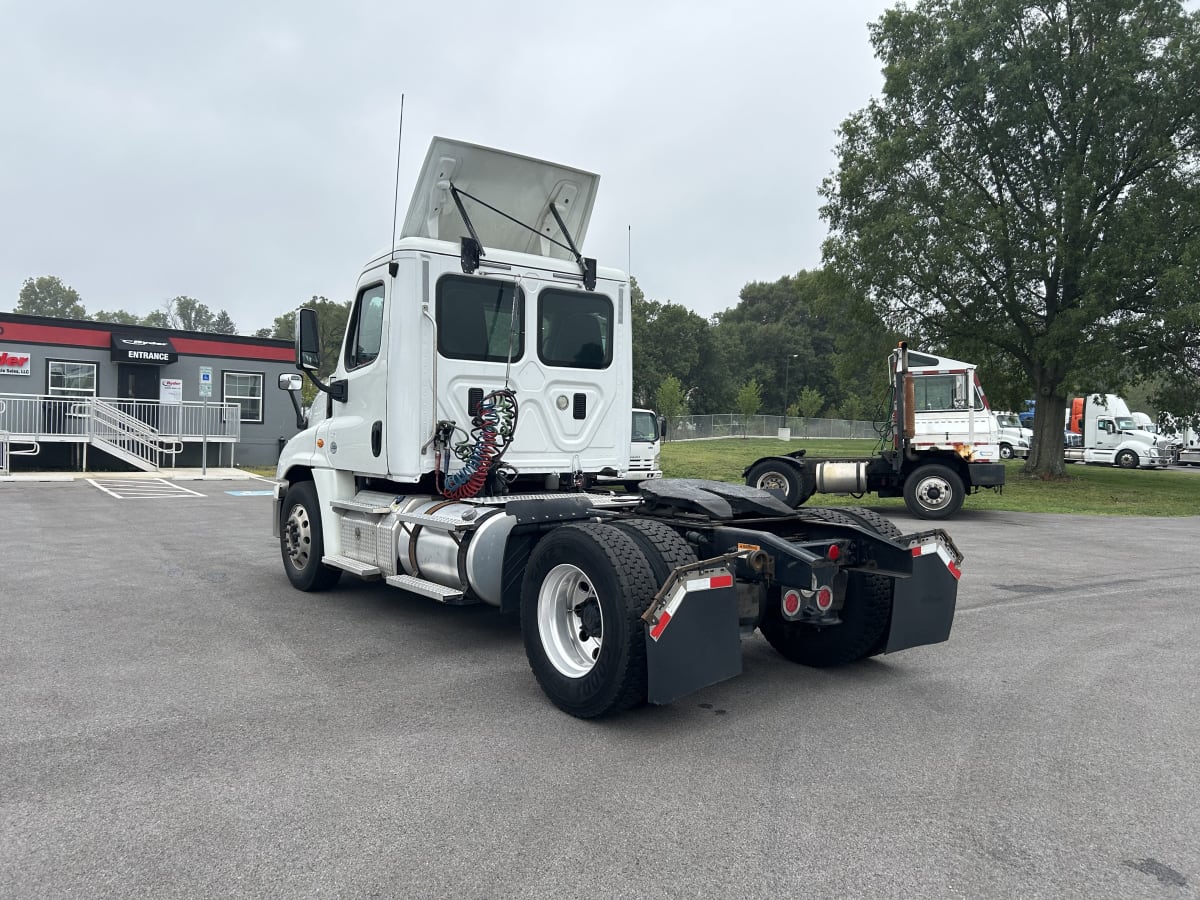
x=862 y=632
x=873 y=520
x=585 y=589
x=769 y=475
x=933 y=492
x=1006 y=451
x=1127 y=459
x=302 y=542
x=661 y=544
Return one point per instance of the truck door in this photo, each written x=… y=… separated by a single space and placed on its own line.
x=356 y=434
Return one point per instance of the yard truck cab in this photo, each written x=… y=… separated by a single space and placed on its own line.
x=945 y=443
x=645 y=446
x=482 y=388
x=1110 y=436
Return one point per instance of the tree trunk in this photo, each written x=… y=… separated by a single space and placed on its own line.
x=1046 y=454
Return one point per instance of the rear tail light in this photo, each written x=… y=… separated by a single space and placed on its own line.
x=824 y=598
x=791 y=602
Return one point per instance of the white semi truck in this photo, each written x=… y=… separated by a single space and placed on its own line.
x=945 y=443
x=483 y=385
x=1015 y=438
x=1110 y=436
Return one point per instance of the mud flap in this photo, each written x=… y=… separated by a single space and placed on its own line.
x=923 y=604
x=692 y=636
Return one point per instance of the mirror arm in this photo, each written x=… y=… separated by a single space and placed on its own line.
x=335 y=389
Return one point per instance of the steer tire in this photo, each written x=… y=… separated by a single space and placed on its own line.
x=585 y=589
x=863 y=629
x=1127 y=459
x=302 y=540
x=933 y=492
x=1006 y=451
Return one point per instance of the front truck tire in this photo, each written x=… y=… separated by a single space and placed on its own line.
x=933 y=492
x=302 y=542
x=865 y=616
x=585 y=589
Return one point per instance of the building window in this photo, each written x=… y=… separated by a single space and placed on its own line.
x=67 y=378
x=246 y=389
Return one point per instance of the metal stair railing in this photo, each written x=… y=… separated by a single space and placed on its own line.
x=112 y=428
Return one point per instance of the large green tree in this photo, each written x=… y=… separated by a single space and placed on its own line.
x=1025 y=190
x=669 y=339
x=807 y=330
x=331 y=325
x=48 y=296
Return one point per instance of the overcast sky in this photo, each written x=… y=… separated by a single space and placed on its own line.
x=243 y=153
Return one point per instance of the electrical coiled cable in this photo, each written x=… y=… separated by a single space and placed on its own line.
x=492 y=428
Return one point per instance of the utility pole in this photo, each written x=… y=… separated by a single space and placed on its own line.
x=786 y=365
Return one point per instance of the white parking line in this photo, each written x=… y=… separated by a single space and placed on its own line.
x=150 y=489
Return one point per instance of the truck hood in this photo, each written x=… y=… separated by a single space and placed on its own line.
x=1144 y=437
x=518 y=186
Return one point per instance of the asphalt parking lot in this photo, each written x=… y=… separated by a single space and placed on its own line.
x=177 y=721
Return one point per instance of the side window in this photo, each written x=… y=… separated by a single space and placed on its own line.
x=481 y=319
x=366 y=334
x=575 y=329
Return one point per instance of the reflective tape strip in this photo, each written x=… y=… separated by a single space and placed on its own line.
x=943 y=554
x=682 y=589
x=708 y=584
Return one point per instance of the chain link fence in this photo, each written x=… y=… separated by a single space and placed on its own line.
x=694 y=428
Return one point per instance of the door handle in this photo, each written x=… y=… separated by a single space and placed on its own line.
x=377 y=438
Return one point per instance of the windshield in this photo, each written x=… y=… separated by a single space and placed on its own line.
x=1008 y=421
x=1126 y=423
x=645 y=427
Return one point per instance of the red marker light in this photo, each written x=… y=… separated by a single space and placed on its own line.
x=833 y=552
x=824 y=598
x=791 y=602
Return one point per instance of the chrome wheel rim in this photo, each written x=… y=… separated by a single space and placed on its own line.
x=570 y=621
x=297 y=536
x=934 y=492
x=772 y=481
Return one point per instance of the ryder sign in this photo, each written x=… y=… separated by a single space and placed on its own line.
x=14 y=362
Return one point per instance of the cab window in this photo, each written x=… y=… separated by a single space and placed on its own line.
x=480 y=319
x=575 y=329
x=943 y=392
x=366 y=328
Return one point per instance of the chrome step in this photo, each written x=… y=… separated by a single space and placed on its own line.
x=433 y=520
x=428 y=589
x=353 y=566
x=373 y=509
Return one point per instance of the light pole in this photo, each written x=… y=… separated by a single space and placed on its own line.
x=786 y=365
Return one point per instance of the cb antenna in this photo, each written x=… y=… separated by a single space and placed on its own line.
x=392 y=267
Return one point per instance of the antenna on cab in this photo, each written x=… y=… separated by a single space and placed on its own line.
x=393 y=267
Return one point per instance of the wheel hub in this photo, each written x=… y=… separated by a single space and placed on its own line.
x=934 y=492
x=570 y=620
x=591 y=623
